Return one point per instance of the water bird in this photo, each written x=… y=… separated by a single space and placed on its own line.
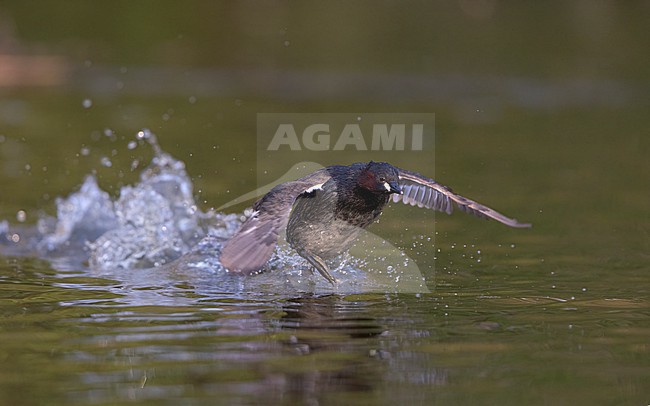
x=325 y=211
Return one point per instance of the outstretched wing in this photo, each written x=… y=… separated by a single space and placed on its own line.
x=249 y=249
x=424 y=192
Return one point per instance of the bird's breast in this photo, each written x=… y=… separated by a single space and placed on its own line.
x=326 y=222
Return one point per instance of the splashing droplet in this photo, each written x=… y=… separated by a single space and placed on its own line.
x=21 y=216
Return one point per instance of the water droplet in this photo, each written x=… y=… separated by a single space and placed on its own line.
x=87 y=103
x=132 y=145
x=21 y=216
x=15 y=237
x=106 y=162
x=287 y=43
x=85 y=151
x=192 y=99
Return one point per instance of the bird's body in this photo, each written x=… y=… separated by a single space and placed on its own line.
x=325 y=212
x=319 y=223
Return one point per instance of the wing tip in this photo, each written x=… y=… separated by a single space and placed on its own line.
x=243 y=255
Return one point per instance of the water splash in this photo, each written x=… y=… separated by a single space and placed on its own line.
x=83 y=216
x=152 y=222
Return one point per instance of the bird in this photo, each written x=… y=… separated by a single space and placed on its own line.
x=324 y=212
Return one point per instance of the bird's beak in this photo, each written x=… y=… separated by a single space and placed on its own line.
x=393 y=187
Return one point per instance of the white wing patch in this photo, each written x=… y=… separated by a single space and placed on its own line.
x=314 y=188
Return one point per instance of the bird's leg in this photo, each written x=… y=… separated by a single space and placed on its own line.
x=319 y=264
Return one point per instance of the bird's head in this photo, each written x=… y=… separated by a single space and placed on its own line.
x=380 y=177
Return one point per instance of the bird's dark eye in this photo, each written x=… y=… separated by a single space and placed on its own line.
x=382 y=179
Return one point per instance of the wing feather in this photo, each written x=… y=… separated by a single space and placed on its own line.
x=252 y=246
x=424 y=192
